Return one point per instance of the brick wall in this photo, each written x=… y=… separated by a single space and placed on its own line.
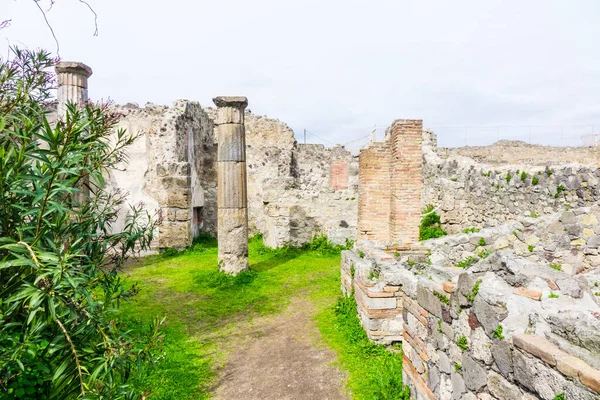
x=339 y=174
x=390 y=176
x=406 y=180
x=374 y=192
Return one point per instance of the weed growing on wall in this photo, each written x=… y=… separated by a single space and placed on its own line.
x=466 y=263
x=430 y=224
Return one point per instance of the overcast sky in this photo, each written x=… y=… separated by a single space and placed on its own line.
x=340 y=67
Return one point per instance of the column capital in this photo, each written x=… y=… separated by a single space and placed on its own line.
x=240 y=102
x=73 y=73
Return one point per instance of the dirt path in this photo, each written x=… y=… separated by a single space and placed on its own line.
x=284 y=361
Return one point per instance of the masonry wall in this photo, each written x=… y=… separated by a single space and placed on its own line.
x=406 y=180
x=374 y=192
x=469 y=194
x=509 y=326
x=295 y=191
x=167 y=169
x=390 y=185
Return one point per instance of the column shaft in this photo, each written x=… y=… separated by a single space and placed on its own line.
x=232 y=198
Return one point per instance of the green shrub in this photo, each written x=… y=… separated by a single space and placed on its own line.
x=441 y=297
x=535 y=181
x=549 y=172
x=559 y=190
x=59 y=288
x=523 y=176
x=484 y=254
x=498 y=332
x=462 y=343
x=559 y=396
x=481 y=242
x=322 y=245
x=471 y=230
x=556 y=267
x=552 y=295
x=474 y=291
x=457 y=367
x=467 y=262
x=508 y=178
x=430 y=225
x=530 y=248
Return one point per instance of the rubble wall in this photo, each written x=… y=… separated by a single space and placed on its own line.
x=295 y=191
x=469 y=194
x=167 y=169
x=506 y=327
x=517 y=152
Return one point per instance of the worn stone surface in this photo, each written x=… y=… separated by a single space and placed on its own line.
x=232 y=197
x=475 y=375
x=501 y=388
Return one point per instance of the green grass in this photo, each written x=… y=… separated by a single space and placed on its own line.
x=374 y=373
x=205 y=309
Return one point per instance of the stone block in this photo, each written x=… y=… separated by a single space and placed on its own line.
x=429 y=301
x=530 y=293
x=538 y=346
x=474 y=374
x=481 y=346
x=502 y=354
x=501 y=388
x=458 y=385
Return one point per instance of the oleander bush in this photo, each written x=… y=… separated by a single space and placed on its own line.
x=60 y=335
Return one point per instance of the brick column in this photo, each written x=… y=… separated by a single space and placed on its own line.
x=374 y=192
x=232 y=229
x=406 y=180
x=72 y=84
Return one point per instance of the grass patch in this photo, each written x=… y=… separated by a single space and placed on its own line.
x=466 y=263
x=374 y=372
x=556 y=267
x=462 y=343
x=204 y=307
x=430 y=224
x=474 y=291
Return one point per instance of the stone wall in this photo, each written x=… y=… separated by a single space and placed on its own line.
x=508 y=326
x=295 y=191
x=390 y=185
x=507 y=152
x=170 y=169
x=472 y=194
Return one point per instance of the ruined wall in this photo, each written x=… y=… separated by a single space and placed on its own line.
x=471 y=194
x=517 y=152
x=294 y=191
x=170 y=169
x=509 y=326
x=390 y=185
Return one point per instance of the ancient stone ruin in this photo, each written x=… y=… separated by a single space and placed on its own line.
x=505 y=308
x=231 y=185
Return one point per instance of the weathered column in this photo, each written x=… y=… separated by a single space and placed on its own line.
x=72 y=88
x=232 y=200
x=72 y=84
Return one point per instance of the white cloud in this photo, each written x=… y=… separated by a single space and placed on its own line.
x=338 y=67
